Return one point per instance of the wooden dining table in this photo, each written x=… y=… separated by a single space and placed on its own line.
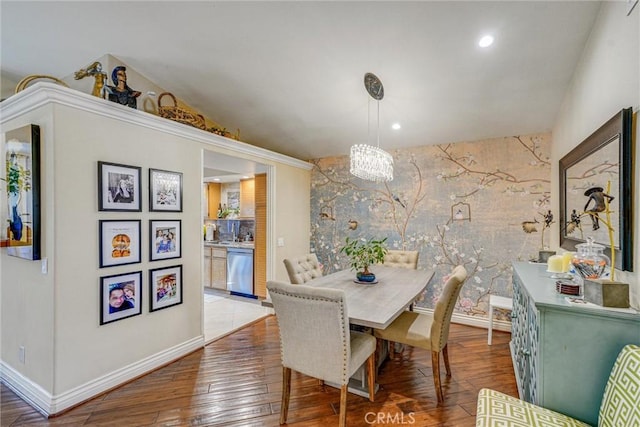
x=376 y=305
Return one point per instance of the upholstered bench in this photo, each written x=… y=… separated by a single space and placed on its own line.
x=620 y=404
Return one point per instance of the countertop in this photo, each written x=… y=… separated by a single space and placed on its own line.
x=243 y=245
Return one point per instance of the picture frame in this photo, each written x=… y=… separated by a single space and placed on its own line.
x=119 y=187
x=165 y=239
x=119 y=242
x=165 y=191
x=22 y=160
x=165 y=287
x=603 y=157
x=120 y=296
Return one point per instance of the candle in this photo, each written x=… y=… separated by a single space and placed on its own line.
x=566 y=261
x=554 y=264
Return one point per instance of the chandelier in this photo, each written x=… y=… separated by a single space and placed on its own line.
x=369 y=162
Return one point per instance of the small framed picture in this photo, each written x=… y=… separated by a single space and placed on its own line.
x=165 y=287
x=165 y=239
x=165 y=191
x=120 y=296
x=119 y=242
x=118 y=187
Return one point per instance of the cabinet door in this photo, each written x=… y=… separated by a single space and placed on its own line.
x=219 y=268
x=519 y=336
x=206 y=273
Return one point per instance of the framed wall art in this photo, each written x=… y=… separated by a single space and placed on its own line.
x=165 y=191
x=23 y=192
x=118 y=187
x=165 y=239
x=120 y=296
x=165 y=287
x=119 y=242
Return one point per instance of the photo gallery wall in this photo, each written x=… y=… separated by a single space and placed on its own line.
x=120 y=241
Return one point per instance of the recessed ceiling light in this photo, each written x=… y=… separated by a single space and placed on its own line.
x=216 y=179
x=395 y=126
x=486 y=41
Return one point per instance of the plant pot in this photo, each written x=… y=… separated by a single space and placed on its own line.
x=365 y=277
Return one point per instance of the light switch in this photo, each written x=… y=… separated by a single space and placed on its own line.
x=44 y=266
x=280 y=241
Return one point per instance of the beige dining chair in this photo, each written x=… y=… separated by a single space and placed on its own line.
x=303 y=268
x=429 y=331
x=401 y=259
x=315 y=340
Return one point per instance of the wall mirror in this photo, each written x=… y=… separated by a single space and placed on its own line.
x=603 y=160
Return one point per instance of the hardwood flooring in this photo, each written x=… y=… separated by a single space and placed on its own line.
x=237 y=381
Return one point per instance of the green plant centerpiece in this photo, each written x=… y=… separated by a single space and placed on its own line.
x=363 y=253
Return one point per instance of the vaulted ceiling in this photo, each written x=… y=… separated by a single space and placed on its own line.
x=289 y=75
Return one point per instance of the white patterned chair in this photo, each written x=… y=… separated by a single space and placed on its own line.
x=315 y=340
x=303 y=268
x=620 y=404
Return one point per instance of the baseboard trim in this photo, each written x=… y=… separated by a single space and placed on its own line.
x=49 y=405
x=479 y=322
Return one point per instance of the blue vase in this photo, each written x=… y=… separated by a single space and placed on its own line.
x=15 y=226
x=369 y=277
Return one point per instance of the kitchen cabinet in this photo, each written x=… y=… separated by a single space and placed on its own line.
x=219 y=268
x=247 y=198
x=206 y=274
x=563 y=352
x=213 y=199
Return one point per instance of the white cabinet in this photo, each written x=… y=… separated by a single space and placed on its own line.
x=219 y=268
x=206 y=273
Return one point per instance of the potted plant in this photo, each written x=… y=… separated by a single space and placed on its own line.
x=363 y=253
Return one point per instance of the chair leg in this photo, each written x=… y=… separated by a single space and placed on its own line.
x=343 y=405
x=445 y=356
x=435 y=362
x=371 y=368
x=286 y=393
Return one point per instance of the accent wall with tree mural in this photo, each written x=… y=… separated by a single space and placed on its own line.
x=461 y=203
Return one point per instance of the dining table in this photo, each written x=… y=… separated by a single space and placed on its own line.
x=374 y=305
x=377 y=304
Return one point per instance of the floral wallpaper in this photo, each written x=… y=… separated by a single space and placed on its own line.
x=461 y=203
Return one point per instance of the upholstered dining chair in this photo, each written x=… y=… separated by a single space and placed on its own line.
x=402 y=259
x=315 y=340
x=303 y=268
x=620 y=404
x=429 y=331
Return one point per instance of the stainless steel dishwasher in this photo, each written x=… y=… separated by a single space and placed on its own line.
x=240 y=271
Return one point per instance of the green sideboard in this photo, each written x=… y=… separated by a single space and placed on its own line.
x=562 y=353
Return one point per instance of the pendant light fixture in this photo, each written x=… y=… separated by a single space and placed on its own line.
x=369 y=162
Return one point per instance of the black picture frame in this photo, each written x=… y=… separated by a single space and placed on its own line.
x=22 y=159
x=165 y=191
x=613 y=139
x=120 y=242
x=165 y=239
x=165 y=287
x=119 y=187
x=115 y=292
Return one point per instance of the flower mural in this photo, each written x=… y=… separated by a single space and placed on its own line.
x=498 y=182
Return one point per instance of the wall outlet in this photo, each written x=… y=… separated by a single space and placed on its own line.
x=21 y=354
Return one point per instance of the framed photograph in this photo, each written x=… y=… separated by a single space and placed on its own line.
x=119 y=242
x=165 y=239
x=120 y=296
x=165 y=287
x=118 y=187
x=165 y=191
x=22 y=160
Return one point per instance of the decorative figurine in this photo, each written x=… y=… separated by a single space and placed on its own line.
x=100 y=77
x=597 y=195
x=121 y=92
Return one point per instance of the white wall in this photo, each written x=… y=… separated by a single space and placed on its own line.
x=606 y=81
x=70 y=357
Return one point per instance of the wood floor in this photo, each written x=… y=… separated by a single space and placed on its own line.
x=236 y=381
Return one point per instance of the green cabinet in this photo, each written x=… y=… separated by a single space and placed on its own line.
x=562 y=352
